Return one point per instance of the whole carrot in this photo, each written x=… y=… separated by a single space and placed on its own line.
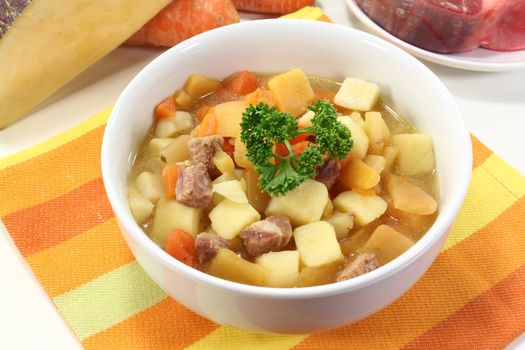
x=182 y=19
x=278 y=7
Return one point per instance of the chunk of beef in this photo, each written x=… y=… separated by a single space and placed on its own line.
x=194 y=186
x=207 y=245
x=202 y=149
x=328 y=173
x=364 y=263
x=271 y=234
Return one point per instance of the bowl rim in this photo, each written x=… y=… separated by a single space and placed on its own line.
x=121 y=208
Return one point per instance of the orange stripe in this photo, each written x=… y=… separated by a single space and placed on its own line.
x=51 y=174
x=63 y=267
x=166 y=325
x=480 y=152
x=50 y=223
x=490 y=321
x=458 y=275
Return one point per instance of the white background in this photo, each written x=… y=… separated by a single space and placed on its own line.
x=493 y=105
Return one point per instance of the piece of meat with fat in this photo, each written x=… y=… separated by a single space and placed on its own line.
x=268 y=235
x=451 y=26
x=328 y=173
x=194 y=186
x=202 y=149
x=364 y=263
x=207 y=245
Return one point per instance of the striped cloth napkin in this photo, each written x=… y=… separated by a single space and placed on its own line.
x=53 y=204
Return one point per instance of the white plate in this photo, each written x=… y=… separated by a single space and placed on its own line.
x=477 y=60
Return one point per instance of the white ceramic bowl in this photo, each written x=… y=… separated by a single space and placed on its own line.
x=322 y=49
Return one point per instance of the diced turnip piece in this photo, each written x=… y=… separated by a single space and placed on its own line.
x=171 y=215
x=228 y=265
x=376 y=162
x=418 y=224
x=177 y=124
x=314 y=276
x=358 y=174
x=358 y=119
x=292 y=92
x=182 y=99
x=377 y=132
x=176 y=151
x=317 y=244
x=416 y=154
x=387 y=244
x=229 y=115
x=302 y=205
x=158 y=143
x=409 y=197
x=229 y=218
x=359 y=137
x=223 y=178
x=232 y=190
x=141 y=208
x=282 y=267
x=342 y=223
x=223 y=162
x=150 y=185
x=357 y=94
x=198 y=85
x=257 y=198
x=328 y=209
x=364 y=208
x=306 y=119
x=390 y=153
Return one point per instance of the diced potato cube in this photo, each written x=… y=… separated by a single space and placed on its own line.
x=150 y=185
x=317 y=244
x=358 y=119
x=171 y=215
x=239 y=174
x=176 y=151
x=357 y=94
x=365 y=208
x=257 y=198
x=328 y=209
x=223 y=178
x=223 y=162
x=416 y=154
x=229 y=115
x=302 y=205
x=342 y=223
x=228 y=218
x=305 y=120
x=232 y=190
x=387 y=244
x=158 y=143
x=141 y=208
x=376 y=162
x=228 y=265
x=239 y=154
x=357 y=174
x=315 y=276
x=409 y=197
x=292 y=91
x=198 y=85
x=180 y=123
x=359 y=137
x=390 y=154
x=377 y=132
x=182 y=99
x=282 y=267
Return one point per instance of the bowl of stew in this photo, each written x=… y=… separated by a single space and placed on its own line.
x=285 y=176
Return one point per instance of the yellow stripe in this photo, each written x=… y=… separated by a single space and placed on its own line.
x=488 y=196
x=108 y=299
x=236 y=339
x=89 y=124
x=511 y=179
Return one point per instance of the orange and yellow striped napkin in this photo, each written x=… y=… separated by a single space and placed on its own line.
x=53 y=204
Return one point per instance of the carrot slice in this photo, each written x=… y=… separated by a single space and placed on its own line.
x=208 y=125
x=300 y=147
x=271 y=6
x=166 y=108
x=181 y=246
x=228 y=147
x=201 y=112
x=244 y=83
x=260 y=95
x=170 y=174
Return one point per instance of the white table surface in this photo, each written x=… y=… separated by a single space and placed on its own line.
x=493 y=105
